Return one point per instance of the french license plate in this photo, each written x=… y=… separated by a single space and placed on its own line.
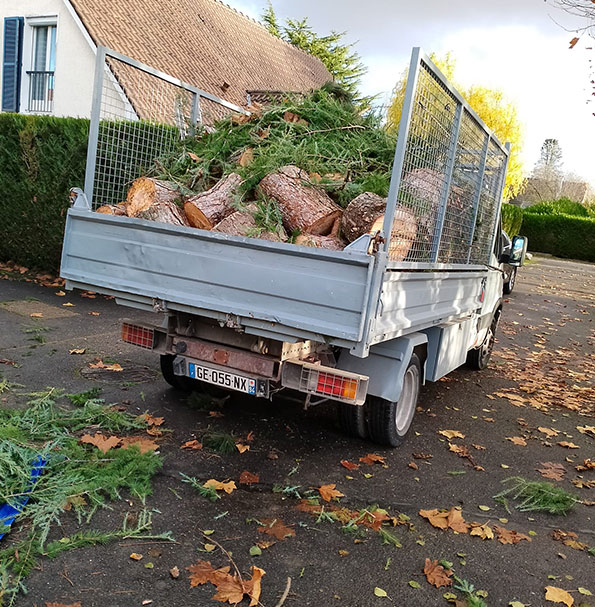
x=222 y=378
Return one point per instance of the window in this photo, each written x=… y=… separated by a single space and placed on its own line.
x=43 y=65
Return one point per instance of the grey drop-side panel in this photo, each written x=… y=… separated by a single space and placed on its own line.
x=412 y=301
x=312 y=290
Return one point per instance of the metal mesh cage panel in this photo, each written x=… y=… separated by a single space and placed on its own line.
x=139 y=115
x=450 y=172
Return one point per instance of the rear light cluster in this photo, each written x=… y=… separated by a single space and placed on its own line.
x=137 y=335
x=325 y=381
x=336 y=385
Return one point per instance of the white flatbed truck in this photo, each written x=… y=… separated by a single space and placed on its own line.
x=353 y=326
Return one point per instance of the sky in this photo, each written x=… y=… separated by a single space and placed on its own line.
x=520 y=47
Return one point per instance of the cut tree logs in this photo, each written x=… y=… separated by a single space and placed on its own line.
x=165 y=212
x=320 y=242
x=303 y=207
x=112 y=209
x=360 y=215
x=207 y=209
x=145 y=192
x=243 y=223
x=402 y=235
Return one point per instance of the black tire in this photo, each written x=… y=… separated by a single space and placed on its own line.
x=389 y=421
x=479 y=358
x=352 y=420
x=509 y=284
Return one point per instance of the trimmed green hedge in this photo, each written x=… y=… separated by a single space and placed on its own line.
x=563 y=206
x=561 y=235
x=512 y=219
x=41 y=158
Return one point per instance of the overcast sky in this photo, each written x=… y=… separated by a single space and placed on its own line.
x=517 y=46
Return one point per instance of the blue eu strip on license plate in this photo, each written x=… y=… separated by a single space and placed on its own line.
x=222 y=378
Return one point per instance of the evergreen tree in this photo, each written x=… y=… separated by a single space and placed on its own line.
x=549 y=164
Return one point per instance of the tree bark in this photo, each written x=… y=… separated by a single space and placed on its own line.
x=145 y=192
x=320 y=242
x=165 y=212
x=207 y=209
x=112 y=209
x=303 y=207
x=242 y=223
x=360 y=215
x=402 y=236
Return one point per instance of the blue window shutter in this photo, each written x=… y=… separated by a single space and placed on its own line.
x=12 y=63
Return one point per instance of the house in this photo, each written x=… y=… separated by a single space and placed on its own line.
x=49 y=47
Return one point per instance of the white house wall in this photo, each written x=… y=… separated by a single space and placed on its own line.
x=75 y=58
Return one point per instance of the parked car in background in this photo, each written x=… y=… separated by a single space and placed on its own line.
x=510 y=272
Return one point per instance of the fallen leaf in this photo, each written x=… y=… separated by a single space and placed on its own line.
x=210 y=547
x=7 y=361
x=379 y=592
x=276 y=528
x=549 y=432
x=436 y=574
x=413 y=465
x=60 y=293
x=509 y=536
x=248 y=478
x=349 y=465
x=294 y=118
x=588 y=430
x=99 y=364
x=151 y=420
x=517 y=440
x=228 y=487
x=103 y=443
x=422 y=455
x=247 y=157
x=552 y=470
x=557 y=595
x=94 y=313
x=484 y=508
x=372 y=459
x=568 y=445
x=328 y=492
x=437 y=519
x=450 y=434
x=135 y=556
x=144 y=444
x=483 y=531
x=242 y=448
x=77 y=351
x=36 y=315
x=456 y=522
x=174 y=572
x=49 y=604
x=89 y=294
x=516 y=604
x=584 y=591
x=573 y=42
x=193 y=156
x=414 y=584
x=264 y=133
x=460 y=450
x=68 y=305
x=192 y=444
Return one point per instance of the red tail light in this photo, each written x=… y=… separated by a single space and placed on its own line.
x=137 y=335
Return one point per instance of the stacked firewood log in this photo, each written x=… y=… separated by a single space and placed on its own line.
x=308 y=214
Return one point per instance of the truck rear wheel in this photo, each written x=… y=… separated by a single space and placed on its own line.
x=479 y=359
x=176 y=381
x=352 y=419
x=389 y=421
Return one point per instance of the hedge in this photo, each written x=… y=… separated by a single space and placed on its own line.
x=563 y=206
x=512 y=218
x=42 y=158
x=561 y=235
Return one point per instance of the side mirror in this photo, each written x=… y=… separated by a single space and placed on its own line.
x=518 y=251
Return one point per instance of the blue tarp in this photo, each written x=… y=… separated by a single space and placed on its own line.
x=8 y=512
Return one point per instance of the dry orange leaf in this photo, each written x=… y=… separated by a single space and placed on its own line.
x=436 y=574
x=456 y=522
x=151 y=420
x=77 y=351
x=248 y=478
x=517 y=440
x=460 y=450
x=175 y=572
x=568 y=445
x=135 y=556
x=450 y=434
x=144 y=444
x=557 y=595
x=328 y=492
x=372 y=458
x=349 y=465
x=573 y=42
x=483 y=531
x=193 y=156
x=552 y=470
x=276 y=528
x=36 y=315
x=242 y=448
x=549 y=432
x=192 y=444
x=228 y=487
x=103 y=443
x=264 y=133
x=247 y=157
x=99 y=364
x=294 y=118
x=509 y=536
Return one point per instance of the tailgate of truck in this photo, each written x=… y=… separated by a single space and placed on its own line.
x=274 y=288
